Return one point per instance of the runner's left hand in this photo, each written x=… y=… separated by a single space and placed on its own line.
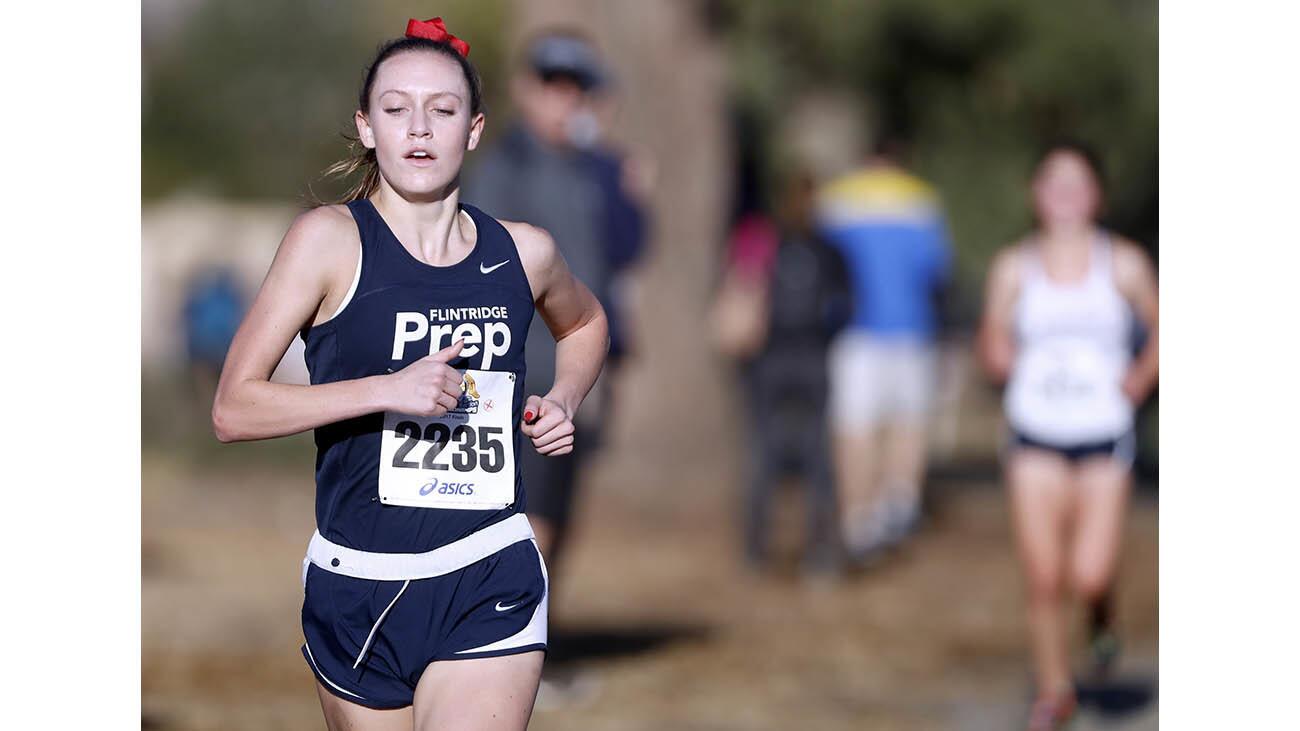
x=551 y=429
x=1136 y=387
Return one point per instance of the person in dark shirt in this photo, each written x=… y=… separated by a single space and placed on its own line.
x=550 y=169
x=807 y=302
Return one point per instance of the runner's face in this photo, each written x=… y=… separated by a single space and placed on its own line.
x=1065 y=190
x=420 y=103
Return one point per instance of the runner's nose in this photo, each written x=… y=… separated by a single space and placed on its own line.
x=419 y=124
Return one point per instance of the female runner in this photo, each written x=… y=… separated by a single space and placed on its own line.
x=1057 y=327
x=425 y=596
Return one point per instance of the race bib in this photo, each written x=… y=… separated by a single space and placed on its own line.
x=1066 y=374
x=1070 y=374
x=463 y=460
x=1063 y=381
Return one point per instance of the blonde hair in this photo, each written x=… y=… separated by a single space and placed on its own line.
x=360 y=158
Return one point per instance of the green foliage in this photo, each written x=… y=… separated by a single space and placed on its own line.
x=248 y=99
x=976 y=86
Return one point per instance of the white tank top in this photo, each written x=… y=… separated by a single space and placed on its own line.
x=1072 y=344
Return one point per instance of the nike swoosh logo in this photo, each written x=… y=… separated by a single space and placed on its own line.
x=500 y=608
x=494 y=267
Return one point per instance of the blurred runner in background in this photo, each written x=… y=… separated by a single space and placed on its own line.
x=550 y=169
x=891 y=231
x=1057 y=328
x=784 y=296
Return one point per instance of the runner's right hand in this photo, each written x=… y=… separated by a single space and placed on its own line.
x=427 y=387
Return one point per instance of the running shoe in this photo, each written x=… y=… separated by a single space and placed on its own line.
x=1104 y=647
x=866 y=537
x=1051 y=713
x=904 y=520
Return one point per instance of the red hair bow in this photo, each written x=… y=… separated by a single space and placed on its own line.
x=434 y=30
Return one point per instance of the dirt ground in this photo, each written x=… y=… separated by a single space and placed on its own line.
x=654 y=624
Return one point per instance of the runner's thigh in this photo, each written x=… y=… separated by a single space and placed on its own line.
x=1101 y=494
x=483 y=694
x=341 y=715
x=1039 y=485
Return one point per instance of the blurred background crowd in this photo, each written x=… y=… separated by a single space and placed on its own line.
x=787 y=509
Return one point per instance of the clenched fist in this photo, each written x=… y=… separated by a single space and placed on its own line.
x=548 y=425
x=427 y=387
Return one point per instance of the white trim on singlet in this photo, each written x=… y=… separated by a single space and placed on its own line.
x=356 y=275
x=356 y=279
x=472 y=225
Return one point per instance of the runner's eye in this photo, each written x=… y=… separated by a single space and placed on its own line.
x=394 y=110
x=445 y=112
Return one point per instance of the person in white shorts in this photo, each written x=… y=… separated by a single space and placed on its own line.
x=1057 y=327
x=881 y=396
x=888 y=225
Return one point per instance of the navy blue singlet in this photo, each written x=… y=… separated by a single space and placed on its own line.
x=403 y=310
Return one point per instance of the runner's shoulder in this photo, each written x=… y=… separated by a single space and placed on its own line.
x=324 y=226
x=1128 y=252
x=537 y=249
x=322 y=238
x=1131 y=262
x=1005 y=267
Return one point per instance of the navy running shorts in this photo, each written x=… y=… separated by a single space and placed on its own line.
x=1123 y=448
x=369 y=642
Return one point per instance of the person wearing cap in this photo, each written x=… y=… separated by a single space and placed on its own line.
x=549 y=169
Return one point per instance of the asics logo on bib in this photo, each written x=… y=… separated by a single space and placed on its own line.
x=447 y=488
x=444 y=326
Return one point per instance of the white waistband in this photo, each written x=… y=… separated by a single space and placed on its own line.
x=401 y=566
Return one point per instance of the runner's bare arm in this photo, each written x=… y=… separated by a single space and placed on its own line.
x=995 y=345
x=577 y=321
x=1136 y=279
x=311 y=270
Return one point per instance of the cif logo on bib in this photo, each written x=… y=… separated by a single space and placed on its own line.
x=469 y=397
x=443 y=326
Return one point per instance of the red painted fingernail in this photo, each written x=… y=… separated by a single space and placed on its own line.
x=528 y=416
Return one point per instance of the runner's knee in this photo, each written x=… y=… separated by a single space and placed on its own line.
x=1090 y=582
x=1044 y=584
